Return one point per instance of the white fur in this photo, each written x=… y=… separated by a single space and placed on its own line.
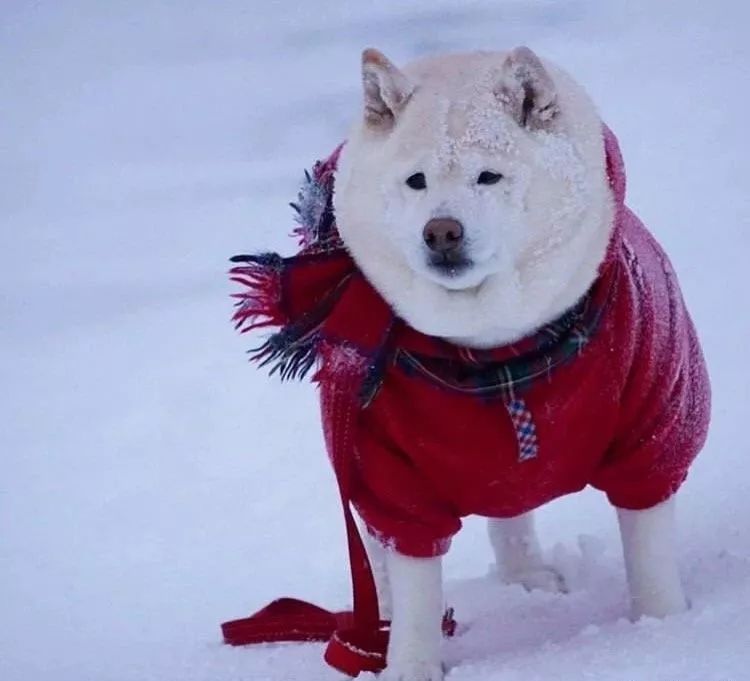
x=414 y=585
x=377 y=555
x=651 y=562
x=518 y=555
x=416 y=633
x=536 y=240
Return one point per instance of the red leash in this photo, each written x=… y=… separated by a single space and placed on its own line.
x=358 y=639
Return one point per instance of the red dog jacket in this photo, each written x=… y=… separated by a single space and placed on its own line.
x=614 y=394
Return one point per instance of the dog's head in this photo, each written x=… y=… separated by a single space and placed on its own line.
x=473 y=192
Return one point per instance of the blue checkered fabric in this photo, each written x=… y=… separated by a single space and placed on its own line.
x=523 y=424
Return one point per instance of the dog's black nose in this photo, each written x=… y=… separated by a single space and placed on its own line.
x=443 y=235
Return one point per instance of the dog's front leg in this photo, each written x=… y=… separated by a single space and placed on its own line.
x=650 y=561
x=376 y=552
x=416 y=633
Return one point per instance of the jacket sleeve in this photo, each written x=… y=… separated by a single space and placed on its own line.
x=666 y=401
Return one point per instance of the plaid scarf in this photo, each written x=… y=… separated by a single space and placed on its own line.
x=316 y=298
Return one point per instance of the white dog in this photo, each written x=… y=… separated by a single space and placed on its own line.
x=474 y=196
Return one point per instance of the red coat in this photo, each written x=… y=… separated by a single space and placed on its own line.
x=619 y=398
x=627 y=416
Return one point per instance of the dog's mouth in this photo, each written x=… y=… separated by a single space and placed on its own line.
x=454 y=272
x=449 y=266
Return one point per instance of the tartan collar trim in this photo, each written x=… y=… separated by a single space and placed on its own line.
x=317 y=296
x=508 y=371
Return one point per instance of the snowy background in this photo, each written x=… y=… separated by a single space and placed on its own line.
x=153 y=485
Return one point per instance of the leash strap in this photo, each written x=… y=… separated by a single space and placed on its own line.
x=362 y=645
x=357 y=639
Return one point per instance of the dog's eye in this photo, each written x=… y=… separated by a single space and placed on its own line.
x=417 y=181
x=488 y=177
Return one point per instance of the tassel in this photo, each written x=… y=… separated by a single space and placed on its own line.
x=260 y=305
x=290 y=356
x=291 y=351
x=314 y=206
x=313 y=211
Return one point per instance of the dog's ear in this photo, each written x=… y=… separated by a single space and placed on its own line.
x=528 y=91
x=387 y=90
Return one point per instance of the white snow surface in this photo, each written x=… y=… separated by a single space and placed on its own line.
x=153 y=484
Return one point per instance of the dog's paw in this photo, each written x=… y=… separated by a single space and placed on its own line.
x=540 y=578
x=412 y=671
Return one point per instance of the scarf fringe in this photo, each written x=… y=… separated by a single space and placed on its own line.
x=313 y=211
x=314 y=206
x=291 y=352
x=260 y=305
x=290 y=357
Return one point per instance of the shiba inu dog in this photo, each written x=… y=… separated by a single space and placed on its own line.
x=480 y=196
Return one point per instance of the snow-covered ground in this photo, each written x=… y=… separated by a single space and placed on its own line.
x=153 y=485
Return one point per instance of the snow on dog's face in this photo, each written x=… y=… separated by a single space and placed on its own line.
x=473 y=193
